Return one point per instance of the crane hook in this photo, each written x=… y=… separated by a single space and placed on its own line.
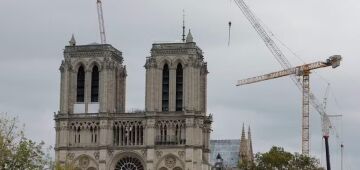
x=229 y=33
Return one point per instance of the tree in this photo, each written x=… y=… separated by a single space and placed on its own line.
x=17 y=151
x=279 y=159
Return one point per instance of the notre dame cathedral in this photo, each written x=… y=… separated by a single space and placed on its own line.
x=93 y=131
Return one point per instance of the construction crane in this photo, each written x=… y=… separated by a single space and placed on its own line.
x=101 y=22
x=284 y=62
x=304 y=71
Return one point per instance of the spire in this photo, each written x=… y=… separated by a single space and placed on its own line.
x=183 y=27
x=249 y=133
x=243 y=133
x=250 y=145
x=72 y=41
x=189 y=37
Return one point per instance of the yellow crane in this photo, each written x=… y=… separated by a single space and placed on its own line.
x=304 y=71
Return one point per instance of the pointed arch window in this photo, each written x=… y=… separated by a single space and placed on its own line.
x=80 y=89
x=179 y=87
x=165 y=88
x=95 y=84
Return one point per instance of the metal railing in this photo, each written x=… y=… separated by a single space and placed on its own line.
x=169 y=140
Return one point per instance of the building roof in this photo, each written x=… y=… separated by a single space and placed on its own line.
x=228 y=149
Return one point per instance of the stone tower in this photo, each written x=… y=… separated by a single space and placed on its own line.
x=176 y=78
x=92 y=79
x=93 y=131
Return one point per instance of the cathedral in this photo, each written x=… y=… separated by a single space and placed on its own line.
x=229 y=154
x=93 y=130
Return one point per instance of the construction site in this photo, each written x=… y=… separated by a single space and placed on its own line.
x=188 y=86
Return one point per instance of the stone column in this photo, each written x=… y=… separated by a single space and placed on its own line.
x=189 y=158
x=149 y=141
x=158 y=89
x=147 y=90
x=186 y=91
x=103 y=90
x=72 y=90
x=87 y=97
x=104 y=141
x=63 y=132
x=62 y=89
x=172 y=89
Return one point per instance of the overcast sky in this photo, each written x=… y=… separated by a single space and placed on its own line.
x=33 y=35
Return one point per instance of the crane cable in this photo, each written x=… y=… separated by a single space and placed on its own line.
x=229 y=24
x=229 y=33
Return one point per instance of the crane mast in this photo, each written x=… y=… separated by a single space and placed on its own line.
x=101 y=22
x=308 y=96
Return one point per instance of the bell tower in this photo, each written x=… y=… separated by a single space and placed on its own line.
x=176 y=78
x=93 y=79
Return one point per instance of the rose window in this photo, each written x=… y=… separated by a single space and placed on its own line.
x=129 y=163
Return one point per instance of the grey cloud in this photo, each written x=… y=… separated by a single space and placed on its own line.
x=33 y=34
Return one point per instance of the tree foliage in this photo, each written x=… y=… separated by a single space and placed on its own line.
x=279 y=159
x=17 y=151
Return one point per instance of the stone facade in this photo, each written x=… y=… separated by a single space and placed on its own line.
x=93 y=131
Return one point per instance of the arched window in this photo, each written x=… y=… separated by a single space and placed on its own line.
x=77 y=135
x=165 y=88
x=80 y=89
x=95 y=84
x=129 y=163
x=179 y=87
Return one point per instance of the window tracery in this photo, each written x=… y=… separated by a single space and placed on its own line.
x=84 y=132
x=170 y=132
x=128 y=133
x=129 y=163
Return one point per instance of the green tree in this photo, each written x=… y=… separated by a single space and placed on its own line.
x=17 y=151
x=279 y=159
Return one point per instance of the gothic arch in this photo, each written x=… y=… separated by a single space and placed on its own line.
x=94 y=62
x=177 y=61
x=170 y=161
x=164 y=61
x=77 y=64
x=122 y=155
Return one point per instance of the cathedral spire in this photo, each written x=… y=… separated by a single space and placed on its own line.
x=250 y=144
x=189 y=37
x=249 y=133
x=72 y=41
x=243 y=133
